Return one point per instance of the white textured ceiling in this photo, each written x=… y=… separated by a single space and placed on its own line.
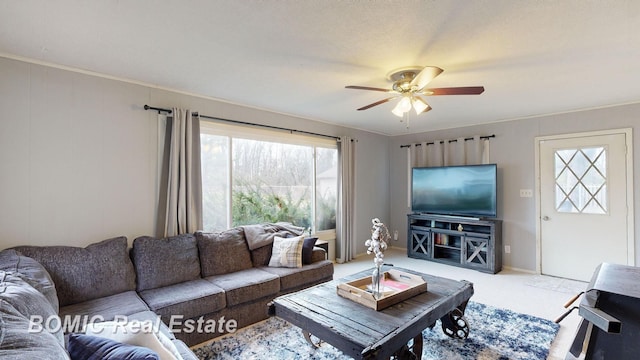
x=295 y=57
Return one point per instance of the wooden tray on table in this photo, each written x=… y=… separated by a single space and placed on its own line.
x=396 y=286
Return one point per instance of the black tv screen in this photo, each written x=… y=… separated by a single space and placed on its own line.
x=469 y=190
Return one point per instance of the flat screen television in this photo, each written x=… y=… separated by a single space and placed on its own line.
x=469 y=190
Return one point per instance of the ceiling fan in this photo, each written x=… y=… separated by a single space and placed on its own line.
x=409 y=84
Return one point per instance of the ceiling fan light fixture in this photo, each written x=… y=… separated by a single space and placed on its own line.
x=419 y=105
x=397 y=112
x=409 y=84
x=402 y=107
x=404 y=82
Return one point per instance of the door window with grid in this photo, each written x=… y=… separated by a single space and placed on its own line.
x=581 y=180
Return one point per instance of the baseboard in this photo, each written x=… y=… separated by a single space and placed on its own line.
x=533 y=272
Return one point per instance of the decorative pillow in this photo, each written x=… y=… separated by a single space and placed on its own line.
x=287 y=252
x=135 y=333
x=86 y=347
x=307 y=249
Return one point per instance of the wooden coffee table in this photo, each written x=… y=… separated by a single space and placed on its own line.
x=363 y=333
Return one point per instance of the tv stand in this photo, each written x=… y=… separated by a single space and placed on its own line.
x=461 y=241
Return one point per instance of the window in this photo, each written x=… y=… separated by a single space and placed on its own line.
x=253 y=176
x=581 y=180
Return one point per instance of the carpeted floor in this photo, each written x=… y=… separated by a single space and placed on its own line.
x=494 y=334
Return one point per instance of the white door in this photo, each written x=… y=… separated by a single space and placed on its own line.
x=583 y=204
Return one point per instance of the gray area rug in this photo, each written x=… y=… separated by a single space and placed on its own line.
x=494 y=334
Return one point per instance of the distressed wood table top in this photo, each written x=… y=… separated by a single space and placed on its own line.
x=361 y=332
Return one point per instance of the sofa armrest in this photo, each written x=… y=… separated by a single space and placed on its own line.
x=318 y=254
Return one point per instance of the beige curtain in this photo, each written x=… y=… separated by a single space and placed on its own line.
x=346 y=200
x=180 y=198
x=458 y=152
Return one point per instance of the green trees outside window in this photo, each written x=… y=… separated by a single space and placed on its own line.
x=250 y=181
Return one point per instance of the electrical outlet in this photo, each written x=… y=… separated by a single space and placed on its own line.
x=507 y=249
x=526 y=193
x=395 y=235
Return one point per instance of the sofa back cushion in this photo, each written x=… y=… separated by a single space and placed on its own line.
x=223 y=252
x=163 y=262
x=82 y=274
x=30 y=271
x=261 y=255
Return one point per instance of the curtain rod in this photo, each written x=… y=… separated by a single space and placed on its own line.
x=450 y=141
x=147 y=107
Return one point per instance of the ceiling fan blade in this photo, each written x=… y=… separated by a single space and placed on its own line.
x=425 y=76
x=367 y=88
x=376 y=103
x=464 y=90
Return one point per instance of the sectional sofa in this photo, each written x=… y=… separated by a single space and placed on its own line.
x=200 y=285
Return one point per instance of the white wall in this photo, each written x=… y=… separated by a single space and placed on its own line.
x=513 y=150
x=78 y=156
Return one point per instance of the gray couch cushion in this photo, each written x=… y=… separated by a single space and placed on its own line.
x=16 y=343
x=188 y=299
x=82 y=274
x=246 y=285
x=30 y=271
x=163 y=262
x=292 y=278
x=104 y=309
x=223 y=252
x=261 y=256
x=29 y=302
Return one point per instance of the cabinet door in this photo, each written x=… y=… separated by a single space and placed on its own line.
x=421 y=244
x=476 y=251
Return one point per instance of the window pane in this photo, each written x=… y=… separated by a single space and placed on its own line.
x=326 y=188
x=271 y=182
x=215 y=181
x=256 y=176
x=581 y=183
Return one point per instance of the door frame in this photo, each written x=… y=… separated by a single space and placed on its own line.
x=631 y=253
